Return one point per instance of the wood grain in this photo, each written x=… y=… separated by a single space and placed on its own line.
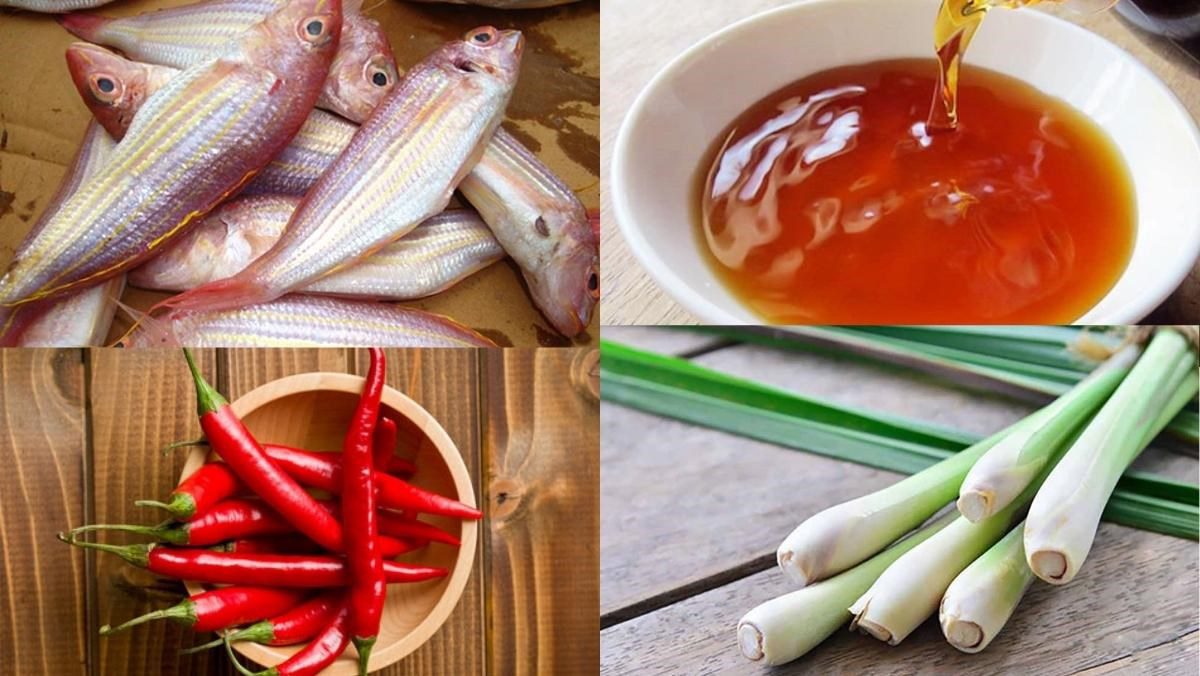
x=636 y=46
x=141 y=400
x=684 y=558
x=543 y=534
x=42 y=450
x=1137 y=591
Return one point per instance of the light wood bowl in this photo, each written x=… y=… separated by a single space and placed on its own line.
x=312 y=411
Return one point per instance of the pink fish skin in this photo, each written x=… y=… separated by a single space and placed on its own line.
x=81 y=318
x=401 y=168
x=363 y=71
x=298 y=320
x=195 y=142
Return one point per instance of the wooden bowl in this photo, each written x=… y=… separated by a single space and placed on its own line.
x=312 y=411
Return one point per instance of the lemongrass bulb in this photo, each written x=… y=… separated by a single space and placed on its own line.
x=979 y=602
x=844 y=535
x=910 y=589
x=1063 y=518
x=1008 y=467
x=784 y=628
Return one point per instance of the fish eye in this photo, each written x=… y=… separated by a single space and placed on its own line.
x=483 y=36
x=315 y=30
x=105 y=84
x=380 y=78
x=593 y=284
x=314 y=27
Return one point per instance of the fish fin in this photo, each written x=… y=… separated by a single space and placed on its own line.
x=158 y=331
x=352 y=7
x=223 y=294
x=89 y=27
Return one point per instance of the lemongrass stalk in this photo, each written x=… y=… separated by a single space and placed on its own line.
x=980 y=600
x=785 y=628
x=1007 y=468
x=1064 y=516
x=844 y=535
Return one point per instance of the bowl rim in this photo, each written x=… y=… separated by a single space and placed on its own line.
x=1152 y=294
x=464 y=562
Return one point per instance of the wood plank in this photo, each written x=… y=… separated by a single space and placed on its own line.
x=446 y=383
x=1178 y=656
x=43 y=449
x=140 y=401
x=541 y=441
x=245 y=369
x=1137 y=592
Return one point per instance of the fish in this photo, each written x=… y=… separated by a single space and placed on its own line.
x=543 y=226
x=299 y=320
x=557 y=258
x=194 y=143
x=363 y=71
x=438 y=254
x=114 y=88
x=82 y=318
x=505 y=4
x=400 y=169
x=53 y=6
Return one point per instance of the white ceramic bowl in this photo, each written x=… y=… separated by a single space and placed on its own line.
x=673 y=121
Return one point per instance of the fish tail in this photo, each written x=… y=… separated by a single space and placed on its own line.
x=89 y=27
x=223 y=294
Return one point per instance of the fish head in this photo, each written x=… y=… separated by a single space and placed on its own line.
x=363 y=71
x=290 y=39
x=567 y=292
x=111 y=86
x=487 y=50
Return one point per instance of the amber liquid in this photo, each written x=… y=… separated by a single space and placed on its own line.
x=831 y=202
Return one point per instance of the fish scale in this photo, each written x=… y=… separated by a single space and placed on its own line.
x=400 y=169
x=307 y=321
x=195 y=142
x=53 y=6
x=81 y=318
x=436 y=255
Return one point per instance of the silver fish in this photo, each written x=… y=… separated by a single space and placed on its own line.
x=196 y=141
x=53 y=6
x=400 y=169
x=297 y=321
x=84 y=317
x=361 y=75
x=436 y=255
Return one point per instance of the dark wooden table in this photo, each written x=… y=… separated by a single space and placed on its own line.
x=692 y=518
x=80 y=434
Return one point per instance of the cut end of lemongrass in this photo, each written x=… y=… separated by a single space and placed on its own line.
x=975 y=505
x=874 y=629
x=791 y=566
x=1050 y=566
x=750 y=640
x=963 y=634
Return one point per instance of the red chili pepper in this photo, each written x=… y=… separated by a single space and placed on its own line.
x=393 y=493
x=395 y=464
x=202 y=489
x=385 y=443
x=275 y=570
x=221 y=608
x=246 y=457
x=397 y=525
x=228 y=520
x=293 y=543
x=314 y=657
x=367 y=588
x=295 y=626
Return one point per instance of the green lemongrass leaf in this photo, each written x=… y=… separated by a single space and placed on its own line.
x=978 y=371
x=1042 y=345
x=653 y=383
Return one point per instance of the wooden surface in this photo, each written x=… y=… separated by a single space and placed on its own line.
x=689 y=544
x=554 y=111
x=639 y=38
x=80 y=440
